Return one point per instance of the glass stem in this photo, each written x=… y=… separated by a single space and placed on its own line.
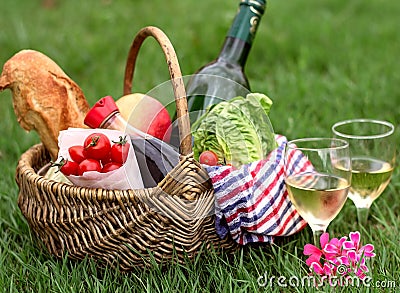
x=362 y=216
x=316 y=235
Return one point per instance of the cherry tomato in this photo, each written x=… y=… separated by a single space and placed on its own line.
x=89 y=165
x=97 y=146
x=110 y=167
x=77 y=153
x=208 y=158
x=67 y=167
x=70 y=168
x=119 y=150
x=106 y=159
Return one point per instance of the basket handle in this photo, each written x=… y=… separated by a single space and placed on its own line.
x=176 y=80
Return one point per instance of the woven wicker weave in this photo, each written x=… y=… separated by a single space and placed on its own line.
x=128 y=228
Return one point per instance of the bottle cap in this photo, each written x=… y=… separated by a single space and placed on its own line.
x=100 y=112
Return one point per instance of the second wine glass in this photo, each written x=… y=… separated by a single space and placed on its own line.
x=318 y=189
x=373 y=152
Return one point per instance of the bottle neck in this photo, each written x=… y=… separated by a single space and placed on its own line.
x=114 y=121
x=240 y=37
x=235 y=51
x=117 y=122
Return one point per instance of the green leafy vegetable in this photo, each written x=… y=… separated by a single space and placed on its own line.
x=238 y=131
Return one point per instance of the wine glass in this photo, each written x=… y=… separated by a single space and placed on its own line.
x=372 y=148
x=317 y=177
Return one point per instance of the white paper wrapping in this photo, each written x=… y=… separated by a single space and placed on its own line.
x=126 y=177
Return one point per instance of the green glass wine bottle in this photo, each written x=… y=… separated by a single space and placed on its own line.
x=224 y=78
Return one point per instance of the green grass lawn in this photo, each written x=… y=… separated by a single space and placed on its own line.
x=319 y=61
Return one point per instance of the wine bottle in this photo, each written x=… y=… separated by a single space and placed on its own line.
x=224 y=78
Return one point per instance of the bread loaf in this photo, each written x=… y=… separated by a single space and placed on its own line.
x=45 y=99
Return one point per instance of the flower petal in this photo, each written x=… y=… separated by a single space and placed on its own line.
x=348 y=245
x=344 y=260
x=352 y=256
x=343 y=239
x=311 y=259
x=355 y=237
x=328 y=269
x=336 y=262
x=334 y=241
x=361 y=260
x=317 y=268
x=364 y=268
x=311 y=249
x=360 y=274
x=324 y=239
x=331 y=249
x=367 y=250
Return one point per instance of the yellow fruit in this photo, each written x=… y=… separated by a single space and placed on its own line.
x=146 y=114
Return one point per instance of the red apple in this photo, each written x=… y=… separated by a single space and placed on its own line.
x=146 y=114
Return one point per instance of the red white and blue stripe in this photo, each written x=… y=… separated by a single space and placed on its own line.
x=252 y=202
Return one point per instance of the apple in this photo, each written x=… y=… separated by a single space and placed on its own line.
x=146 y=114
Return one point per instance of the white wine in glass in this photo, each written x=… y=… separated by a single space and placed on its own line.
x=319 y=189
x=373 y=156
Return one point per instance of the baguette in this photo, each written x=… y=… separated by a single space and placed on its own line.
x=45 y=99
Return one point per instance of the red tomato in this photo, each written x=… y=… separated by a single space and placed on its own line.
x=67 y=167
x=89 y=165
x=106 y=160
x=110 y=167
x=119 y=150
x=77 y=153
x=208 y=158
x=97 y=146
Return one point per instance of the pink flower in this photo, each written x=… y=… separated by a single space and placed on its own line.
x=355 y=263
x=314 y=252
x=354 y=244
x=337 y=253
x=334 y=248
x=354 y=241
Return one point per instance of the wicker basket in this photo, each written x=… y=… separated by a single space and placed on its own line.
x=125 y=228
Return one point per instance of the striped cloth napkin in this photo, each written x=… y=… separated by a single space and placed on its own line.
x=252 y=203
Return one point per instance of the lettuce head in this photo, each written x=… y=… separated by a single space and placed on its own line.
x=238 y=130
